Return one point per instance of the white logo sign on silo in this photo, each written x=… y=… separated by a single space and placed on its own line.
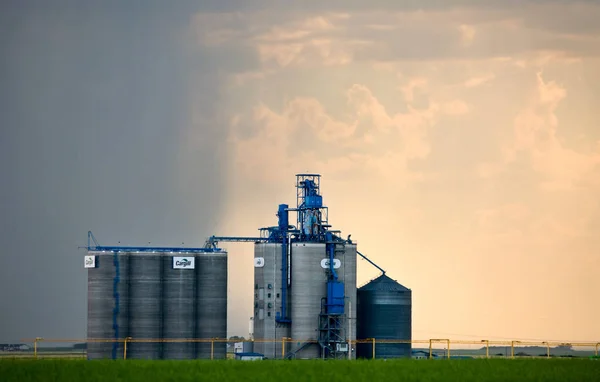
x=259 y=262
x=183 y=262
x=336 y=263
x=90 y=262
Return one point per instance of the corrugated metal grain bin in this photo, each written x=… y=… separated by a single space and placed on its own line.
x=384 y=313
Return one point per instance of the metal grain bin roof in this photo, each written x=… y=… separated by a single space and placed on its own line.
x=384 y=283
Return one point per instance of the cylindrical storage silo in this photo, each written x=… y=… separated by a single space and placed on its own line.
x=211 y=300
x=268 y=297
x=145 y=313
x=309 y=287
x=179 y=305
x=384 y=313
x=107 y=303
x=347 y=274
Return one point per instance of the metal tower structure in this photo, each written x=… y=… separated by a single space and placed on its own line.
x=332 y=336
x=312 y=227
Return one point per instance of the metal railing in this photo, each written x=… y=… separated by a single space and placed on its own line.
x=435 y=348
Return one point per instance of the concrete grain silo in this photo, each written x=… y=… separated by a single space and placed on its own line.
x=153 y=295
x=268 y=299
x=211 y=303
x=179 y=305
x=310 y=272
x=108 y=303
x=145 y=304
x=304 y=282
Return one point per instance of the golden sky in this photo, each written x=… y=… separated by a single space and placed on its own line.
x=460 y=146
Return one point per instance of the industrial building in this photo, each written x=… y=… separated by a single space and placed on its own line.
x=306 y=304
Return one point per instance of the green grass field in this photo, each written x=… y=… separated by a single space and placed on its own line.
x=560 y=370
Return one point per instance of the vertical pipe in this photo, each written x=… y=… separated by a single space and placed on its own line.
x=196 y=344
x=284 y=274
x=282 y=347
x=512 y=349
x=373 y=347
x=430 y=350
x=331 y=252
x=125 y=348
x=283 y=216
x=35 y=347
x=331 y=264
x=289 y=262
x=597 y=349
x=448 y=352
x=212 y=348
x=274 y=342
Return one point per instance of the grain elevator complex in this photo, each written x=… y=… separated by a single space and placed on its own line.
x=306 y=303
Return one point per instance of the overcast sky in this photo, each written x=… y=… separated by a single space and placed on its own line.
x=459 y=145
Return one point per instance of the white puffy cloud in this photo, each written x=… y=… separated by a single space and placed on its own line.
x=536 y=132
x=307 y=117
x=479 y=80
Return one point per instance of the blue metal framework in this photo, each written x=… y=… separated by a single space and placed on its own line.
x=94 y=246
x=283 y=216
x=213 y=241
x=312 y=216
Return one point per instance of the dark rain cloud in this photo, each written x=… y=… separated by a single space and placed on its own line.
x=94 y=106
